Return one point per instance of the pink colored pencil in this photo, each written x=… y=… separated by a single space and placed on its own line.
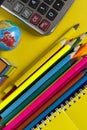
x=51 y=91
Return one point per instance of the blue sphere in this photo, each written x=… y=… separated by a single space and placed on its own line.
x=9 y=35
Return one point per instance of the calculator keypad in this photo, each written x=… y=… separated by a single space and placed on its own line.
x=41 y=15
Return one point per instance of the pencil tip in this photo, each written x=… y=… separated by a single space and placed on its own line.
x=76 y=26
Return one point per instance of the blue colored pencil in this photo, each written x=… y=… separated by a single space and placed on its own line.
x=72 y=90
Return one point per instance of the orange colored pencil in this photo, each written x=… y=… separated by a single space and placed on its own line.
x=81 y=52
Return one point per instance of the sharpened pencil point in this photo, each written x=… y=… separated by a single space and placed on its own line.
x=76 y=26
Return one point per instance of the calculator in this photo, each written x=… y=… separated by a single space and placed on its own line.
x=41 y=15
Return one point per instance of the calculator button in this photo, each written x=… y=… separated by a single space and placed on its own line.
x=51 y=14
x=58 y=5
x=26 y=13
x=25 y=1
x=42 y=8
x=49 y=1
x=44 y=25
x=34 y=3
x=35 y=19
x=18 y=7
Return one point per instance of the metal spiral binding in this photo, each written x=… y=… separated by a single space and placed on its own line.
x=67 y=103
x=53 y=114
x=38 y=126
x=57 y=110
x=85 y=86
x=77 y=95
x=43 y=122
x=62 y=106
x=82 y=91
x=48 y=119
x=72 y=99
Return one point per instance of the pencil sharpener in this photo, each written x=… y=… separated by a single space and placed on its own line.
x=10 y=35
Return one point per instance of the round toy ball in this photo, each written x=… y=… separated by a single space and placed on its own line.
x=9 y=35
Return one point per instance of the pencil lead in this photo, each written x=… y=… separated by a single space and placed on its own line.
x=76 y=26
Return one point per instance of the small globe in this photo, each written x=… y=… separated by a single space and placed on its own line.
x=9 y=35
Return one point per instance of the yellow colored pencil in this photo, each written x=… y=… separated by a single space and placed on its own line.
x=38 y=73
x=47 y=54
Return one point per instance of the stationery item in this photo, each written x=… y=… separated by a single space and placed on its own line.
x=11 y=71
x=48 y=53
x=81 y=51
x=31 y=97
x=42 y=16
x=58 y=102
x=44 y=97
x=2 y=79
x=1 y=94
x=8 y=89
x=57 y=119
x=9 y=35
x=8 y=93
x=78 y=42
x=74 y=113
x=80 y=39
x=37 y=74
x=2 y=65
x=53 y=99
x=40 y=85
x=5 y=67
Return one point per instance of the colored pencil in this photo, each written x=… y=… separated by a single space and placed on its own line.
x=50 y=76
x=36 y=75
x=44 y=97
x=78 y=42
x=52 y=100
x=82 y=51
x=47 y=54
x=29 y=99
x=58 y=102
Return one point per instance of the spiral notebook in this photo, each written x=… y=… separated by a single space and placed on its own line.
x=68 y=117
